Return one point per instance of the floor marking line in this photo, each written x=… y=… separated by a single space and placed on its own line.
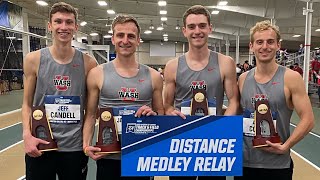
x=10 y=126
x=11 y=146
x=312 y=133
x=10 y=112
x=305 y=159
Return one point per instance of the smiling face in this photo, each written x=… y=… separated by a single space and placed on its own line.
x=62 y=26
x=125 y=38
x=197 y=30
x=265 y=45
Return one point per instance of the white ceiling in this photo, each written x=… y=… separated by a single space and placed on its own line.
x=235 y=19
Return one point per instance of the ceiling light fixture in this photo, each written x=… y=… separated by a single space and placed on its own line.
x=94 y=34
x=107 y=36
x=163 y=12
x=296 y=35
x=147 y=32
x=160 y=28
x=177 y=26
x=151 y=25
x=222 y=3
x=42 y=3
x=111 y=11
x=162 y=3
x=102 y=3
x=164 y=18
x=215 y=12
x=317 y=30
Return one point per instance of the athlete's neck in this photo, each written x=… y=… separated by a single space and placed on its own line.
x=196 y=54
x=62 y=53
x=265 y=71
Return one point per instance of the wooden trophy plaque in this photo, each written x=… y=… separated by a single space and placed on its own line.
x=263 y=123
x=107 y=138
x=40 y=128
x=199 y=103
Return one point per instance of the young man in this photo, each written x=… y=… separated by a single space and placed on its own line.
x=106 y=81
x=200 y=68
x=284 y=89
x=58 y=71
x=297 y=68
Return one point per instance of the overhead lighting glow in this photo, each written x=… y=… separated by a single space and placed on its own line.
x=102 y=3
x=163 y=12
x=12 y=37
x=110 y=31
x=160 y=28
x=94 y=34
x=215 y=12
x=222 y=3
x=296 y=35
x=162 y=3
x=164 y=18
x=42 y=3
x=111 y=11
x=83 y=23
x=317 y=30
x=147 y=32
x=107 y=36
x=165 y=35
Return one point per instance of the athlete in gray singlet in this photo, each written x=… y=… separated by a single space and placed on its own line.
x=121 y=83
x=200 y=68
x=55 y=78
x=284 y=89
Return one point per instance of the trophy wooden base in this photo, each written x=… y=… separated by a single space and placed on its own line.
x=261 y=141
x=109 y=149
x=52 y=146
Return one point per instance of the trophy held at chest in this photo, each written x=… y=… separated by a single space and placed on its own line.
x=107 y=138
x=40 y=128
x=199 y=103
x=263 y=123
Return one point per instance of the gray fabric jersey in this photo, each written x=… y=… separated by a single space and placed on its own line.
x=208 y=78
x=274 y=89
x=68 y=136
x=119 y=91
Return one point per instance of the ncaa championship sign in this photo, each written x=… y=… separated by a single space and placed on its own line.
x=171 y=146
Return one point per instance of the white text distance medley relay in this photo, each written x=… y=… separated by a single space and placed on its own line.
x=202 y=162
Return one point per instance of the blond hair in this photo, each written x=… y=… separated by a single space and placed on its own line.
x=262 y=26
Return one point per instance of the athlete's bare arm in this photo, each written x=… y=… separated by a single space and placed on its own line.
x=170 y=88
x=94 y=84
x=157 y=84
x=297 y=99
x=157 y=103
x=229 y=77
x=30 y=69
x=89 y=63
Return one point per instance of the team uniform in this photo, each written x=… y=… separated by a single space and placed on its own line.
x=61 y=88
x=209 y=78
x=120 y=92
x=258 y=163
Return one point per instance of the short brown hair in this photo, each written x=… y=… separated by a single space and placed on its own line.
x=262 y=26
x=124 y=18
x=196 y=9
x=63 y=8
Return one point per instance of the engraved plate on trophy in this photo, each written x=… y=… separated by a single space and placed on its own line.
x=107 y=138
x=40 y=128
x=199 y=103
x=264 y=126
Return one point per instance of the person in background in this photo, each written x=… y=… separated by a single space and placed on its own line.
x=297 y=68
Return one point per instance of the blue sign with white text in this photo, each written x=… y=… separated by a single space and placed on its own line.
x=171 y=146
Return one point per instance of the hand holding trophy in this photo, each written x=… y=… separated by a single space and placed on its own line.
x=40 y=128
x=107 y=138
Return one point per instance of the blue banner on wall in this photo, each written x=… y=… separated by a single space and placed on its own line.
x=171 y=146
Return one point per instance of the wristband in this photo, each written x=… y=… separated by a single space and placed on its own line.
x=85 y=150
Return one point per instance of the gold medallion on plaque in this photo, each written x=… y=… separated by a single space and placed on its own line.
x=106 y=116
x=199 y=97
x=37 y=114
x=263 y=108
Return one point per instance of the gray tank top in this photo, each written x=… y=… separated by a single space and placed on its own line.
x=63 y=81
x=208 y=78
x=119 y=91
x=274 y=90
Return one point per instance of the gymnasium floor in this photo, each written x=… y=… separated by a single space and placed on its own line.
x=305 y=154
